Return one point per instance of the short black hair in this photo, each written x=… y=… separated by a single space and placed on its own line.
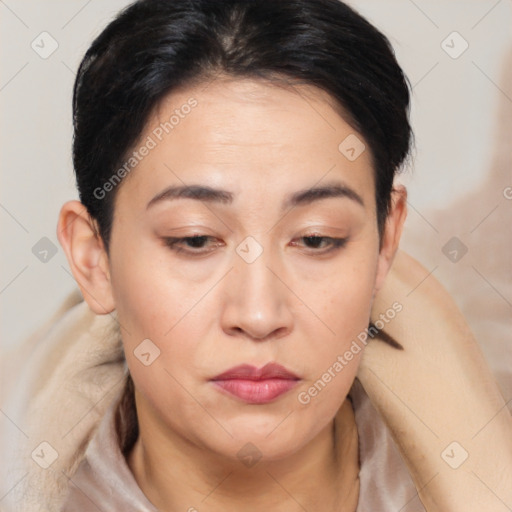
x=154 y=47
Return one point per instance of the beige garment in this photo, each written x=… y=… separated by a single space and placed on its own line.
x=55 y=389
x=104 y=482
x=72 y=377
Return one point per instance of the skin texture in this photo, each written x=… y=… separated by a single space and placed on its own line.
x=438 y=397
x=298 y=304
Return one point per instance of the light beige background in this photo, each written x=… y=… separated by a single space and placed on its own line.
x=462 y=117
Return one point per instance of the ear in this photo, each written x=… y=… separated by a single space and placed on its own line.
x=391 y=233
x=77 y=233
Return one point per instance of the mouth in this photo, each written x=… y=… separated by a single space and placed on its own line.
x=256 y=386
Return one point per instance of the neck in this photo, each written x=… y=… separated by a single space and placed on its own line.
x=177 y=475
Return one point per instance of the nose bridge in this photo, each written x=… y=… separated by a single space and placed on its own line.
x=257 y=280
x=258 y=302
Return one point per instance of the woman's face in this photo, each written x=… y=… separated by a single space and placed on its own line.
x=281 y=272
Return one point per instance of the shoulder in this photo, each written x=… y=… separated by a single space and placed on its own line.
x=60 y=382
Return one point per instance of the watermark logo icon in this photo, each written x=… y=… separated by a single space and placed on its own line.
x=352 y=147
x=44 y=45
x=44 y=455
x=249 y=455
x=454 y=45
x=454 y=455
x=44 y=250
x=249 y=249
x=454 y=249
x=146 y=352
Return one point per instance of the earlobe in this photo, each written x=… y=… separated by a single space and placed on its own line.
x=86 y=255
x=392 y=233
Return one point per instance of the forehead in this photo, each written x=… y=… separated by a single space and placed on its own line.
x=249 y=135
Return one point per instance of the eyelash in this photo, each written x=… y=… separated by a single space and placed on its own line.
x=172 y=243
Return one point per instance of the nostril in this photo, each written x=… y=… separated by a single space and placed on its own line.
x=254 y=336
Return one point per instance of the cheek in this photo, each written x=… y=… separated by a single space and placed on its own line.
x=162 y=319
x=341 y=299
x=349 y=304
x=161 y=333
x=151 y=294
x=341 y=296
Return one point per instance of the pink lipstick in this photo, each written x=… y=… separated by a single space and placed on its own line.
x=256 y=386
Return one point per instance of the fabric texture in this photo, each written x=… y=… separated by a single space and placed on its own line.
x=103 y=480
x=61 y=447
x=55 y=391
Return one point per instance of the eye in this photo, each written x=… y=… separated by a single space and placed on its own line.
x=321 y=244
x=198 y=245
x=193 y=245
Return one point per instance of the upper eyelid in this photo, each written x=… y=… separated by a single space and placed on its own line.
x=336 y=242
x=308 y=235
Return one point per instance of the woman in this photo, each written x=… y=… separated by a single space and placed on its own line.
x=236 y=233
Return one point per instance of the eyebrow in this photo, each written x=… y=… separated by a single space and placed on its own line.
x=299 y=198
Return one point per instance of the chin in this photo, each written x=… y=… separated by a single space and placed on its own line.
x=263 y=439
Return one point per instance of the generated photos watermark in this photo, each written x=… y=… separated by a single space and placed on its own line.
x=305 y=397
x=151 y=142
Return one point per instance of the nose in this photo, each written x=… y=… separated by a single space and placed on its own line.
x=256 y=300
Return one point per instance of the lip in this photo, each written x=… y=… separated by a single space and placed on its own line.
x=256 y=386
x=249 y=372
